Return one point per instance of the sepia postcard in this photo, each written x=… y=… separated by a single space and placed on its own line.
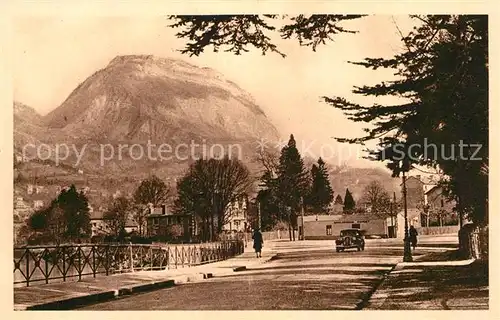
x=270 y=159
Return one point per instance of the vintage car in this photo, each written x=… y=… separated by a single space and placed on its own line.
x=350 y=239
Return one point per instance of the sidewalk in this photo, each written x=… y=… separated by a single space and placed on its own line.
x=68 y=295
x=441 y=284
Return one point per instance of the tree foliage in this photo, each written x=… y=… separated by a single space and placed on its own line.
x=117 y=215
x=66 y=218
x=292 y=181
x=321 y=194
x=207 y=189
x=267 y=196
x=235 y=33
x=139 y=213
x=349 y=204
x=152 y=190
x=375 y=196
x=338 y=200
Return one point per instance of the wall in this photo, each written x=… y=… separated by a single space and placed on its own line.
x=414 y=219
x=414 y=193
x=316 y=230
x=438 y=230
x=273 y=235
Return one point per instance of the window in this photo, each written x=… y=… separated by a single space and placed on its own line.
x=356 y=226
x=442 y=203
x=328 y=230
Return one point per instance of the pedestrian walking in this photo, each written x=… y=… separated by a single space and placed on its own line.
x=258 y=242
x=413 y=237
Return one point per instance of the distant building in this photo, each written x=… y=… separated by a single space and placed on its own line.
x=237 y=213
x=85 y=190
x=317 y=227
x=38 y=204
x=100 y=226
x=21 y=208
x=39 y=189
x=414 y=192
x=160 y=220
x=439 y=208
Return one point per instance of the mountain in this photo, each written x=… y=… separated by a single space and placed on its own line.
x=25 y=114
x=29 y=129
x=356 y=179
x=140 y=98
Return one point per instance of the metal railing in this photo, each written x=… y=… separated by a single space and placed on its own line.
x=35 y=264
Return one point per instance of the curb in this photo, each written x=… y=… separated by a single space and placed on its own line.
x=74 y=302
x=241 y=268
x=367 y=304
x=84 y=300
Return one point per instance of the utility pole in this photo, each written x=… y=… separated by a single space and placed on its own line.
x=302 y=214
x=395 y=214
x=407 y=250
x=260 y=219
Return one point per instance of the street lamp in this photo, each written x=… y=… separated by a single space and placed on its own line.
x=407 y=249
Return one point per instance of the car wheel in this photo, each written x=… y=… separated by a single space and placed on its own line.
x=359 y=248
x=338 y=250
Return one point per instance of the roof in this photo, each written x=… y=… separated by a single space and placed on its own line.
x=433 y=188
x=96 y=215
x=411 y=213
x=159 y=215
x=412 y=178
x=347 y=218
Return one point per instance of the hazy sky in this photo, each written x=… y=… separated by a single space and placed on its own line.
x=54 y=54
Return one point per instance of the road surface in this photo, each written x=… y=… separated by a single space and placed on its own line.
x=306 y=275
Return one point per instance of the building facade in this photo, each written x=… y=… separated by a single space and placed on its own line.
x=237 y=211
x=439 y=209
x=161 y=222
x=319 y=227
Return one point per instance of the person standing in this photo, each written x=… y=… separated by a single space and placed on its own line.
x=413 y=237
x=258 y=242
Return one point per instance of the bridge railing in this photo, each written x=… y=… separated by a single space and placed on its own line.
x=44 y=264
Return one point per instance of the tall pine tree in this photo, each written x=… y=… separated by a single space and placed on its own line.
x=338 y=200
x=292 y=183
x=321 y=193
x=349 y=203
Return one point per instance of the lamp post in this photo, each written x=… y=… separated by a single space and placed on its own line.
x=407 y=249
x=259 y=223
x=303 y=235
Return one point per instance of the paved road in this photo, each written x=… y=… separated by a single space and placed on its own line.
x=305 y=275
